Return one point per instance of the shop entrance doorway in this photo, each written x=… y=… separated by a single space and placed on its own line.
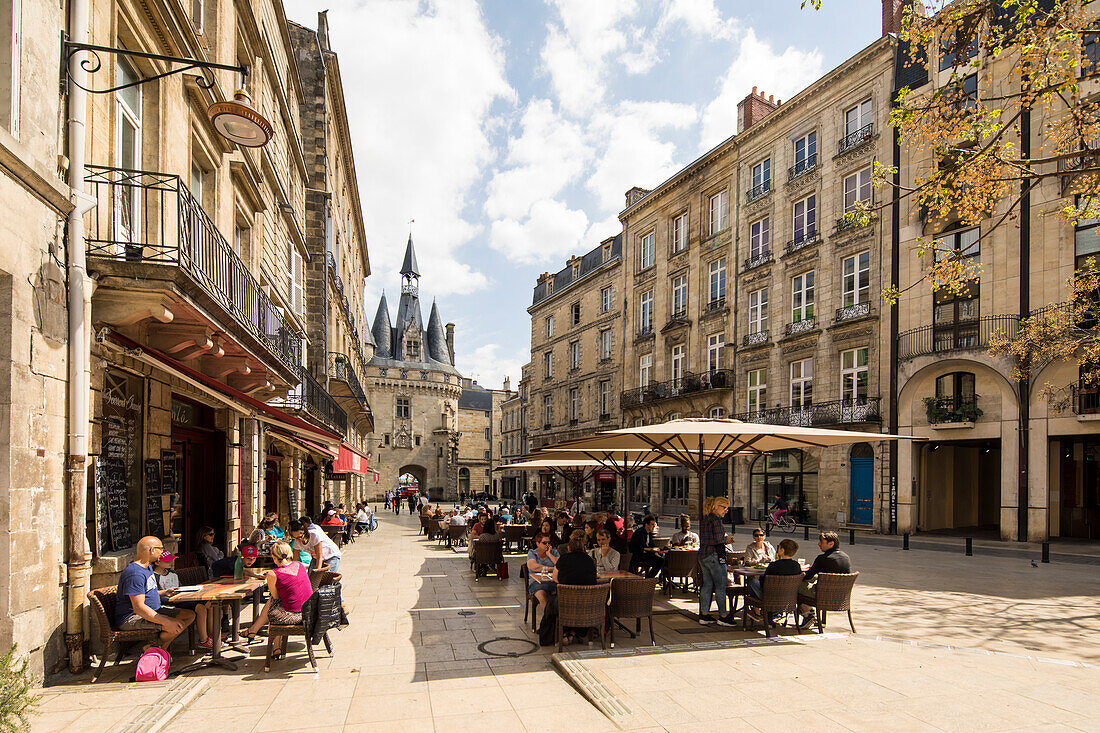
x=200 y=481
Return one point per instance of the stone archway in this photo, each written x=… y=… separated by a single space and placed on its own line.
x=418 y=472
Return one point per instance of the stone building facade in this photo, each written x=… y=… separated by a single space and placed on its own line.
x=481 y=444
x=414 y=387
x=576 y=359
x=513 y=431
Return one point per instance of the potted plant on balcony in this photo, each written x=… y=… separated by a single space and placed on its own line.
x=942 y=410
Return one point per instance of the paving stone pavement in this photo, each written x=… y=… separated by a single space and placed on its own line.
x=411 y=659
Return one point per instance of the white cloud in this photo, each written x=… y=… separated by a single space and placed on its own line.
x=780 y=74
x=549 y=154
x=551 y=230
x=635 y=153
x=700 y=17
x=420 y=78
x=487 y=365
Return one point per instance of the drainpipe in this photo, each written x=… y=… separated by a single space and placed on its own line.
x=895 y=278
x=78 y=562
x=1025 y=308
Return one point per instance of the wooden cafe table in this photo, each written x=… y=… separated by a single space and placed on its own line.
x=217 y=593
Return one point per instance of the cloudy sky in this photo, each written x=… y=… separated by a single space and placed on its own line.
x=509 y=130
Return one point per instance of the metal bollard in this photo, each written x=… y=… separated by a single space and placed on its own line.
x=969 y=546
x=905 y=541
x=851 y=537
x=1046 y=552
x=806 y=532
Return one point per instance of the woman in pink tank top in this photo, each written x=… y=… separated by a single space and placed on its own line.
x=289 y=587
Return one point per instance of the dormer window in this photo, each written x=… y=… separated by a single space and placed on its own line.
x=412 y=349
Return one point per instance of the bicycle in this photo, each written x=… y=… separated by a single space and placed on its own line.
x=786 y=523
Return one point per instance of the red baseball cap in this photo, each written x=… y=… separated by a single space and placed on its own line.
x=166 y=557
x=249 y=551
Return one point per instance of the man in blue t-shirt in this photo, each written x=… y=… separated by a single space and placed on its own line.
x=138 y=603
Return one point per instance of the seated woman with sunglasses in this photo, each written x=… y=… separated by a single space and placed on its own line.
x=540 y=567
x=759 y=550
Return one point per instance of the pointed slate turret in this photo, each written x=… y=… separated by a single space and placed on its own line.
x=382 y=331
x=437 y=340
x=409 y=267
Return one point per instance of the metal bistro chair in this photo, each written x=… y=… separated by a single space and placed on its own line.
x=583 y=606
x=780 y=597
x=679 y=564
x=833 y=592
x=488 y=557
x=632 y=598
x=102 y=602
x=530 y=603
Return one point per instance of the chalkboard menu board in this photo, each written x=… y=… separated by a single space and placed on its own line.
x=292 y=497
x=116 y=441
x=103 y=527
x=154 y=512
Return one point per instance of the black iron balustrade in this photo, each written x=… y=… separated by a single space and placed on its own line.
x=340 y=368
x=851 y=312
x=761 y=259
x=807 y=239
x=646 y=330
x=756 y=338
x=819 y=414
x=972 y=334
x=348 y=314
x=953 y=408
x=679 y=314
x=758 y=191
x=716 y=304
x=797 y=327
x=312 y=398
x=688 y=384
x=1086 y=398
x=854 y=139
x=803 y=166
x=151 y=218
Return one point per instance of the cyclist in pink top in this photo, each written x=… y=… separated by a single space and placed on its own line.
x=289 y=587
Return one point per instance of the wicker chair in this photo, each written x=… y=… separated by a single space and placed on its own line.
x=335 y=533
x=679 y=564
x=424 y=527
x=488 y=557
x=284 y=631
x=456 y=535
x=624 y=561
x=633 y=598
x=833 y=592
x=102 y=602
x=583 y=606
x=780 y=597
x=516 y=533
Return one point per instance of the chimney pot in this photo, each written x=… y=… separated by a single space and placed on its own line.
x=771 y=98
x=754 y=90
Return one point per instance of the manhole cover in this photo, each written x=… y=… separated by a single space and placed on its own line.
x=466 y=613
x=506 y=646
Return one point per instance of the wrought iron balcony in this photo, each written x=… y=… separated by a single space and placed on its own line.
x=716 y=304
x=759 y=191
x=761 y=259
x=646 y=330
x=854 y=139
x=349 y=315
x=972 y=334
x=755 y=339
x=690 y=383
x=1086 y=398
x=852 y=312
x=819 y=414
x=802 y=167
x=311 y=398
x=953 y=408
x=679 y=314
x=809 y=238
x=797 y=327
x=148 y=226
x=340 y=369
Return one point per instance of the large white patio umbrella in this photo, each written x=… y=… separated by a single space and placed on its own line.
x=700 y=444
x=577 y=468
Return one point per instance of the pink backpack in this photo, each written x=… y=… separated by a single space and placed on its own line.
x=153 y=665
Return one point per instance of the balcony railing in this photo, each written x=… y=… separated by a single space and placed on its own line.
x=802 y=242
x=687 y=384
x=851 y=312
x=151 y=218
x=340 y=368
x=797 y=327
x=312 y=398
x=755 y=339
x=819 y=414
x=759 y=191
x=973 y=334
x=953 y=408
x=761 y=259
x=716 y=304
x=801 y=167
x=352 y=322
x=1086 y=398
x=678 y=314
x=645 y=331
x=854 y=139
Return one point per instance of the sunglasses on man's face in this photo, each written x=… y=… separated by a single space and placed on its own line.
x=757 y=536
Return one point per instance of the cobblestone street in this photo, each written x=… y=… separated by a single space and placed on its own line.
x=411 y=659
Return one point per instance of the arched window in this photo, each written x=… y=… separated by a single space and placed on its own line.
x=862 y=451
x=717 y=413
x=791 y=474
x=464 y=480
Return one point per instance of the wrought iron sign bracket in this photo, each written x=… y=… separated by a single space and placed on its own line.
x=94 y=63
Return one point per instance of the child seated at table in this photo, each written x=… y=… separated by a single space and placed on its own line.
x=289 y=587
x=167 y=579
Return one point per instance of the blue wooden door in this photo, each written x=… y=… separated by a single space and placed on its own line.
x=862 y=489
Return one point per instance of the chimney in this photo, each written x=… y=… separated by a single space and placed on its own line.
x=635 y=195
x=451 y=341
x=754 y=108
x=507 y=384
x=322 y=29
x=892 y=13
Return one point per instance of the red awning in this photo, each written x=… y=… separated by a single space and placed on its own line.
x=290 y=422
x=309 y=445
x=351 y=460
